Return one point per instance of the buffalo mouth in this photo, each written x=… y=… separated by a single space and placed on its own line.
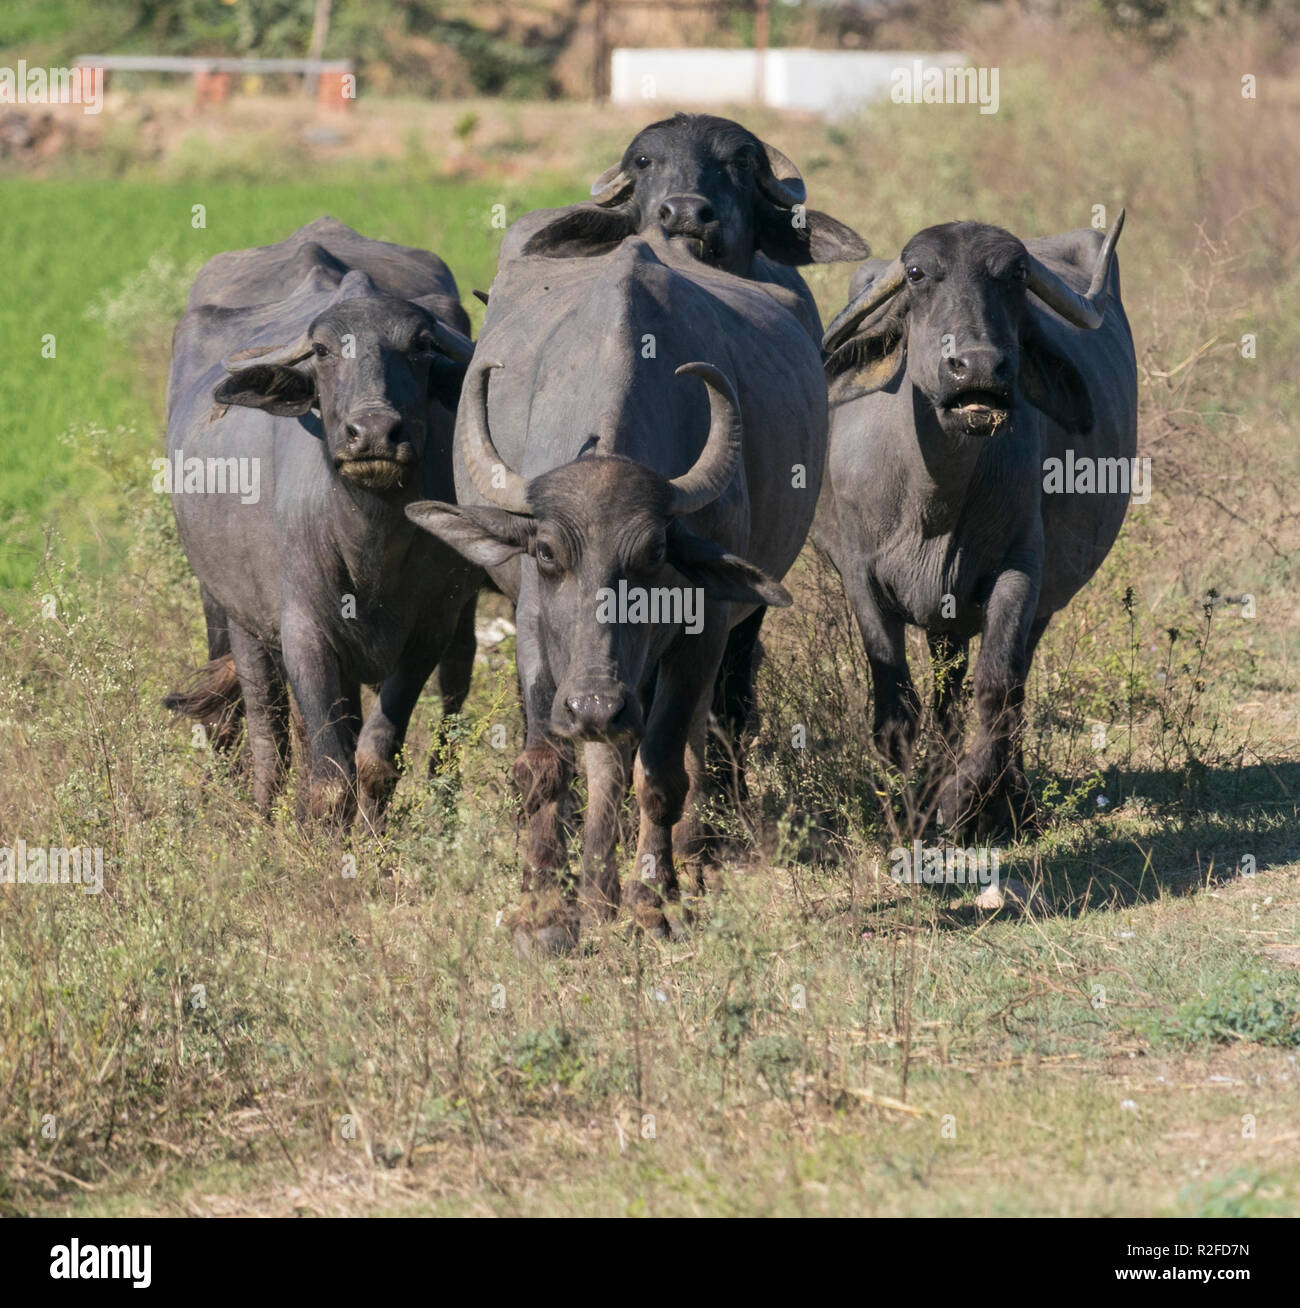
x=704 y=245
x=373 y=473
x=986 y=409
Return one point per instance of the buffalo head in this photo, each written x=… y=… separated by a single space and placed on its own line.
x=600 y=529
x=953 y=313
x=369 y=365
x=709 y=181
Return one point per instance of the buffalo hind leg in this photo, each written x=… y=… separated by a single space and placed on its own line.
x=455 y=671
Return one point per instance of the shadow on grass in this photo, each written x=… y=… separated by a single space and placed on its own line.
x=1157 y=839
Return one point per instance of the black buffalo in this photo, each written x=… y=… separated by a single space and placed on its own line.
x=956 y=374
x=331 y=365
x=736 y=203
x=651 y=424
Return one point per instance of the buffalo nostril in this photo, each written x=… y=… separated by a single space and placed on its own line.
x=595 y=712
x=956 y=365
x=667 y=212
x=705 y=213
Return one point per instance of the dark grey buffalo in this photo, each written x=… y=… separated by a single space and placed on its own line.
x=958 y=374
x=738 y=204
x=326 y=369
x=637 y=423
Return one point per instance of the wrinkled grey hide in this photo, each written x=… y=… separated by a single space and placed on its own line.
x=590 y=424
x=946 y=401
x=344 y=360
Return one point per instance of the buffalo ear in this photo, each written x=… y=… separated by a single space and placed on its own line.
x=580 y=231
x=721 y=576
x=870 y=361
x=484 y=536
x=275 y=388
x=446 y=377
x=799 y=236
x=1052 y=384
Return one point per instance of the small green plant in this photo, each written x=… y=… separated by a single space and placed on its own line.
x=1253 y=1007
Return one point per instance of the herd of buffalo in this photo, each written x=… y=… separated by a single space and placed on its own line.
x=648 y=429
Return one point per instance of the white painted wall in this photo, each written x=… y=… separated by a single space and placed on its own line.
x=829 y=82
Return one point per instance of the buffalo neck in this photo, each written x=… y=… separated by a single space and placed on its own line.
x=942 y=464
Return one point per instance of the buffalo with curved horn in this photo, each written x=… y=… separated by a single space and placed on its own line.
x=636 y=517
x=963 y=376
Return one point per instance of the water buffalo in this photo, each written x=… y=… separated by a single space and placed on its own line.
x=956 y=374
x=738 y=204
x=328 y=368
x=590 y=472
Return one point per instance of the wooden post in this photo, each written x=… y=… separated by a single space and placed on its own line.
x=599 y=54
x=320 y=30
x=762 y=17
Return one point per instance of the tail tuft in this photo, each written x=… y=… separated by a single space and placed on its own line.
x=213 y=698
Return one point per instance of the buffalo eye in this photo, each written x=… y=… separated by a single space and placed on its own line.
x=1020 y=273
x=915 y=274
x=641 y=161
x=654 y=556
x=545 y=556
x=320 y=351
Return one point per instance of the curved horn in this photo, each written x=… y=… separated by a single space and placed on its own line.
x=611 y=186
x=1088 y=310
x=257 y=356
x=784 y=185
x=711 y=472
x=455 y=346
x=485 y=465
x=869 y=299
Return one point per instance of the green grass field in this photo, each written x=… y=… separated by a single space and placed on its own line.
x=238 y=1025
x=125 y=252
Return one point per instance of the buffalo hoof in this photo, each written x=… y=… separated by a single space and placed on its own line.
x=654 y=914
x=546 y=924
x=1003 y=808
x=332 y=800
x=541 y=942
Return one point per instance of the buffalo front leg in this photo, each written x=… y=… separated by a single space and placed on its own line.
x=678 y=718
x=331 y=714
x=897 y=708
x=949 y=659
x=608 y=766
x=989 y=794
x=266 y=709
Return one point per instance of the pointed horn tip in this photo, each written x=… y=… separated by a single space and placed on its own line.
x=709 y=373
